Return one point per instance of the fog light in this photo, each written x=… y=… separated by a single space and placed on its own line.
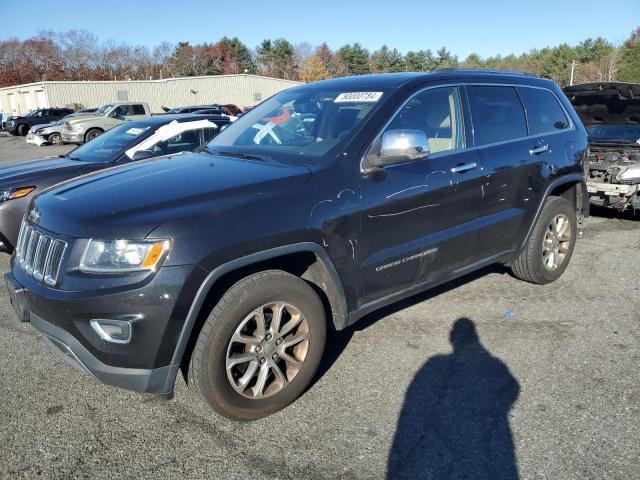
x=116 y=331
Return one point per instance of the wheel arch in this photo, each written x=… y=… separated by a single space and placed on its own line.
x=306 y=260
x=101 y=130
x=572 y=187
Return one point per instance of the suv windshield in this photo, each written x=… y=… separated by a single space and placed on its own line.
x=298 y=126
x=102 y=110
x=103 y=148
x=614 y=132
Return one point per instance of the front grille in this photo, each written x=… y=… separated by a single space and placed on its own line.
x=39 y=254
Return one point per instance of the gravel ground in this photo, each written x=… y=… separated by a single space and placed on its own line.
x=549 y=388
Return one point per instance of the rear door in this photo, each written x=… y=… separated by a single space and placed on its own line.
x=511 y=172
x=520 y=149
x=418 y=218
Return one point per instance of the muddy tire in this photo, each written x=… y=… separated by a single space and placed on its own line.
x=550 y=246
x=260 y=346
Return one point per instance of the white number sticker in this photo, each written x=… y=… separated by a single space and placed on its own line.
x=354 y=97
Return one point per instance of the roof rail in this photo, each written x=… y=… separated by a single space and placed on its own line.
x=487 y=70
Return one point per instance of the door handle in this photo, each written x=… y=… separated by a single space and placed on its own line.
x=539 y=150
x=463 y=167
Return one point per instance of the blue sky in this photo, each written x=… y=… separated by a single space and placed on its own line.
x=486 y=27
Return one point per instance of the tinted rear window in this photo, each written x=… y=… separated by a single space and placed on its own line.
x=138 y=110
x=544 y=113
x=497 y=114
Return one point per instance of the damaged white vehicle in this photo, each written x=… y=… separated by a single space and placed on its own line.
x=49 y=133
x=611 y=113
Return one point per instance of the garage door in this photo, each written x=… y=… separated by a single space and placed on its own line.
x=27 y=100
x=12 y=103
x=41 y=99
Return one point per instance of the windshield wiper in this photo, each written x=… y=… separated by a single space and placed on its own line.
x=242 y=154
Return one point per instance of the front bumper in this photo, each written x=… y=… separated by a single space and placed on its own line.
x=614 y=195
x=34 y=139
x=156 y=380
x=143 y=364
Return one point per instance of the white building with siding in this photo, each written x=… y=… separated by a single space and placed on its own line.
x=242 y=90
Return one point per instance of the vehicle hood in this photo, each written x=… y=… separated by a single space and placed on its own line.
x=40 y=125
x=83 y=118
x=130 y=201
x=49 y=129
x=606 y=102
x=26 y=173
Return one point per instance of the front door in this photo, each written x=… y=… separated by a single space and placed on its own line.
x=419 y=218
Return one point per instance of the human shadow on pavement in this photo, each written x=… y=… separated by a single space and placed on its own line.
x=454 y=423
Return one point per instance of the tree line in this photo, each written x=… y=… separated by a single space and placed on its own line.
x=80 y=55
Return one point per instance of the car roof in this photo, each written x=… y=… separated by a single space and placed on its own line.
x=395 y=80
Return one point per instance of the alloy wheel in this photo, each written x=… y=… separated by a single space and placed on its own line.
x=267 y=350
x=556 y=243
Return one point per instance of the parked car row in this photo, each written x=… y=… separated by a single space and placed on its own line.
x=320 y=205
x=55 y=126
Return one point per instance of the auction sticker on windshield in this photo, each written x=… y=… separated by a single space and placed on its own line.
x=353 y=97
x=135 y=131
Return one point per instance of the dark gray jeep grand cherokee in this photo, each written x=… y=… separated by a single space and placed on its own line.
x=322 y=204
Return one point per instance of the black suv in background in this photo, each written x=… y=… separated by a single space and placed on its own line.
x=21 y=125
x=322 y=204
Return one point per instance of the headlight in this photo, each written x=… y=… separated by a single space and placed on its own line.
x=13 y=193
x=629 y=173
x=114 y=256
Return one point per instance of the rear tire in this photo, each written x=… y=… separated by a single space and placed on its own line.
x=550 y=246
x=91 y=134
x=244 y=371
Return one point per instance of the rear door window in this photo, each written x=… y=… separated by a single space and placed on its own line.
x=138 y=110
x=497 y=114
x=544 y=113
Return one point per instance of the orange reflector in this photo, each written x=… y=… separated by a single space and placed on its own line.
x=154 y=254
x=21 y=192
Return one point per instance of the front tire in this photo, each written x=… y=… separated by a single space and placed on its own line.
x=23 y=130
x=260 y=346
x=55 y=139
x=550 y=246
x=91 y=134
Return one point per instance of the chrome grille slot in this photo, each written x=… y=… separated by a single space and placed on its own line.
x=40 y=255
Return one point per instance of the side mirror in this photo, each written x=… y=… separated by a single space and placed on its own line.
x=399 y=146
x=142 y=155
